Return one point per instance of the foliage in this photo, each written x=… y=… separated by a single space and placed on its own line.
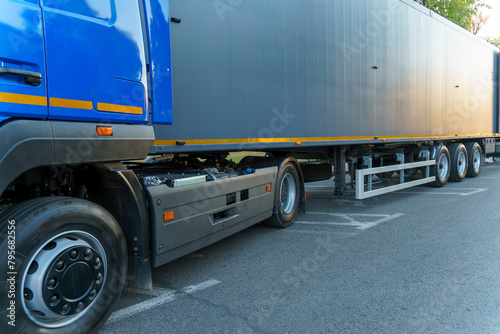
x=465 y=13
x=477 y=22
x=494 y=41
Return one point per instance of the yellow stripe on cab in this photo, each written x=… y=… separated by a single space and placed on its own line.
x=23 y=99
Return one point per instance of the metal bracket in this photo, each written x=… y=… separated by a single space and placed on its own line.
x=361 y=173
x=426 y=155
x=367 y=164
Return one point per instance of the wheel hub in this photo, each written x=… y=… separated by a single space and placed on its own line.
x=71 y=278
x=443 y=166
x=65 y=277
x=477 y=160
x=462 y=164
x=288 y=193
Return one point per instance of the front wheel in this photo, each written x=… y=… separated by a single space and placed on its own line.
x=70 y=264
x=287 y=196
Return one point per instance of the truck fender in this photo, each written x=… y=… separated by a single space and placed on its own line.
x=119 y=191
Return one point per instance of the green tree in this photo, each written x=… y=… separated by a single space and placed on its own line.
x=477 y=22
x=462 y=12
x=494 y=41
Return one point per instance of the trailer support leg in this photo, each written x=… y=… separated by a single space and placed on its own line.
x=340 y=176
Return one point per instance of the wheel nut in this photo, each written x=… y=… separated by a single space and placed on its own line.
x=51 y=283
x=92 y=294
x=88 y=253
x=60 y=265
x=65 y=309
x=98 y=278
x=97 y=263
x=28 y=294
x=73 y=255
x=79 y=306
x=54 y=300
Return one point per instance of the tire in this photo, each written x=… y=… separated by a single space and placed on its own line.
x=287 y=197
x=458 y=154
x=442 y=168
x=475 y=155
x=51 y=277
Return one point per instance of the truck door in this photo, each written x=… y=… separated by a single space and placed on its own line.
x=23 y=91
x=95 y=61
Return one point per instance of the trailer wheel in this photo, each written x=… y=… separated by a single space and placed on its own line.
x=287 y=197
x=442 y=168
x=70 y=264
x=459 y=160
x=475 y=155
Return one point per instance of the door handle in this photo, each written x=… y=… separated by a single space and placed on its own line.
x=30 y=77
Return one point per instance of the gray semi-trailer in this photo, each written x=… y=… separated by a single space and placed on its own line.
x=323 y=72
x=117 y=120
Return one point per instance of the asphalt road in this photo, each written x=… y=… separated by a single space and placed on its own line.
x=423 y=260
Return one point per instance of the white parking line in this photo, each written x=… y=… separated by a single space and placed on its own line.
x=202 y=286
x=336 y=233
x=358 y=221
x=155 y=293
x=165 y=296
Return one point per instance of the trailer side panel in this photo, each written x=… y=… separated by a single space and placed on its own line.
x=284 y=70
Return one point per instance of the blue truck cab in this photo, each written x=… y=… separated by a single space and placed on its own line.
x=67 y=67
x=94 y=61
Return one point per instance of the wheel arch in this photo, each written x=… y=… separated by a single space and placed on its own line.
x=104 y=182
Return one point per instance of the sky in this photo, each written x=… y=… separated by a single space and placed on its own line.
x=492 y=27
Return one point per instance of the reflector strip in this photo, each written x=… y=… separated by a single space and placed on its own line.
x=74 y=104
x=119 y=108
x=23 y=99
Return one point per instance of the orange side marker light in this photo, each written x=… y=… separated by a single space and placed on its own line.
x=104 y=131
x=168 y=216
